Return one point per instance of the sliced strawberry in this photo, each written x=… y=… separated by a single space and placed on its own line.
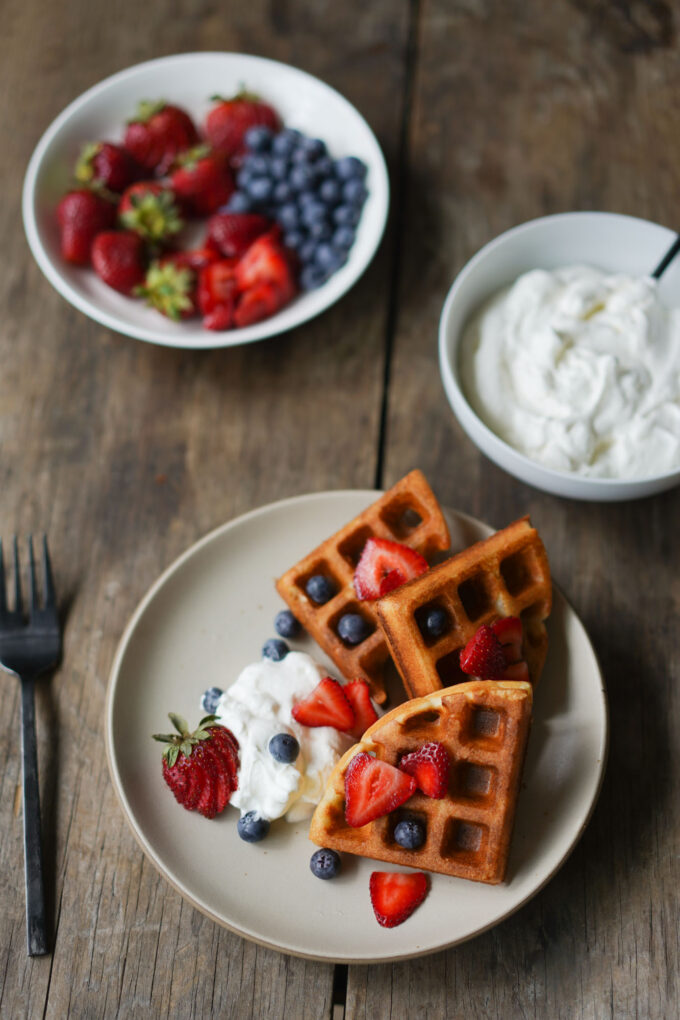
x=257 y=303
x=483 y=655
x=373 y=788
x=517 y=671
x=358 y=694
x=395 y=895
x=217 y=285
x=429 y=766
x=200 y=768
x=509 y=633
x=325 y=706
x=266 y=261
x=233 y=233
x=192 y=258
x=385 y=565
x=226 y=743
x=207 y=801
x=223 y=787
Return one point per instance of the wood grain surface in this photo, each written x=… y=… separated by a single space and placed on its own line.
x=490 y=112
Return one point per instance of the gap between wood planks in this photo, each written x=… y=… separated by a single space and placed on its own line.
x=341 y=970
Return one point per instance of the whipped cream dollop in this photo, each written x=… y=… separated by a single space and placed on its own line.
x=256 y=707
x=580 y=371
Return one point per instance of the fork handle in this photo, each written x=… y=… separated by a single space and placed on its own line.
x=36 y=927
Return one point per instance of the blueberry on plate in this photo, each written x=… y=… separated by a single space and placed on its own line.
x=239 y=202
x=314 y=147
x=329 y=191
x=282 y=192
x=258 y=138
x=311 y=278
x=329 y=258
x=252 y=828
x=319 y=587
x=284 y=748
x=275 y=649
x=312 y=212
x=436 y=622
x=343 y=238
x=256 y=165
x=279 y=168
x=210 y=698
x=410 y=834
x=325 y=863
x=294 y=239
x=320 y=230
x=353 y=628
x=348 y=167
x=301 y=177
x=288 y=216
x=346 y=215
x=286 y=624
x=307 y=251
x=323 y=168
x=260 y=188
x=354 y=192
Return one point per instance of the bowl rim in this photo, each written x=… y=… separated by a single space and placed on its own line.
x=212 y=340
x=456 y=395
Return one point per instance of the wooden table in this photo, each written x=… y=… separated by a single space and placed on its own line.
x=489 y=114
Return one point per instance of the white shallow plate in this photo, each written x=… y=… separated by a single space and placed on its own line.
x=201 y=623
x=189 y=79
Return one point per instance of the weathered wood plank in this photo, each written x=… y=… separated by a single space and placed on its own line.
x=126 y=453
x=521 y=110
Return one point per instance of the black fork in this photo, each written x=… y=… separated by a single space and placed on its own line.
x=28 y=648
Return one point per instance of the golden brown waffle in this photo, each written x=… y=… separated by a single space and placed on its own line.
x=484 y=726
x=505 y=575
x=407 y=513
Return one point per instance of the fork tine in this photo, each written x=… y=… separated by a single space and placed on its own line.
x=3 y=596
x=48 y=579
x=31 y=576
x=17 y=578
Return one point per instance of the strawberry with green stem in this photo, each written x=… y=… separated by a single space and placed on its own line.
x=201 y=768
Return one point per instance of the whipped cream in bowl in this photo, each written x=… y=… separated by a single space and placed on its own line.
x=560 y=355
x=256 y=707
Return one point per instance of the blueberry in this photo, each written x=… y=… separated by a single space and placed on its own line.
x=299 y=156
x=307 y=251
x=320 y=230
x=328 y=258
x=282 y=192
x=313 y=212
x=286 y=625
x=279 y=167
x=243 y=178
x=260 y=188
x=353 y=629
x=354 y=192
x=325 y=863
x=343 y=238
x=275 y=649
x=256 y=165
x=319 y=587
x=410 y=834
x=307 y=197
x=252 y=828
x=323 y=168
x=239 y=202
x=284 y=143
x=314 y=147
x=258 y=139
x=300 y=178
x=346 y=215
x=311 y=277
x=348 y=167
x=436 y=622
x=284 y=747
x=210 y=699
x=294 y=239
x=288 y=216
x=329 y=191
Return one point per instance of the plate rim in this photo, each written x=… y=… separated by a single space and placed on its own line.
x=213 y=340
x=201 y=907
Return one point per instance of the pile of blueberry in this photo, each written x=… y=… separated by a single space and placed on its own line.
x=316 y=200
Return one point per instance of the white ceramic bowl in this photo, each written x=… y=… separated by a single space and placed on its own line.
x=606 y=240
x=189 y=79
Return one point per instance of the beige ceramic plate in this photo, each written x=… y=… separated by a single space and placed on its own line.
x=205 y=619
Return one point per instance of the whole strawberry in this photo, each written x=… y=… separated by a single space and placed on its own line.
x=158 y=133
x=201 y=768
x=102 y=165
x=170 y=288
x=82 y=215
x=201 y=181
x=228 y=121
x=233 y=233
x=119 y=259
x=149 y=209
